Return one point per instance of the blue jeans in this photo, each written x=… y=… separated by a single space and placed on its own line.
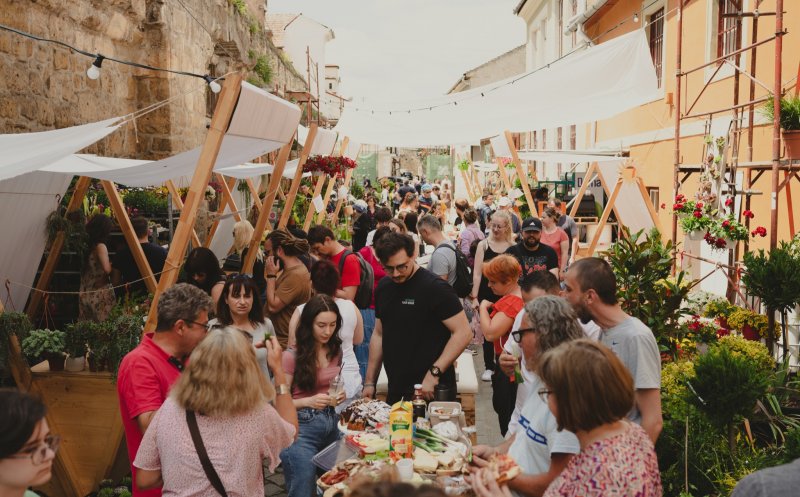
x=362 y=350
x=317 y=430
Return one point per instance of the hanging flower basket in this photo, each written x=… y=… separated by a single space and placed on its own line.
x=695 y=235
x=328 y=165
x=464 y=165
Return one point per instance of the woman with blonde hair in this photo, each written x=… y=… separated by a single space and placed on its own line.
x=500 y=238
x=242 y=236
x=497 y=318
x=219 y=412
x=590 y=392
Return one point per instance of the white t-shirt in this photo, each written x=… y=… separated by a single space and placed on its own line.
x=370 y=237
x=350 y=372
x=523 y=391
x=538 y=437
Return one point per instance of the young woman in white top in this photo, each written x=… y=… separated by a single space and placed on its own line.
x=240 y=307
x=325 y=280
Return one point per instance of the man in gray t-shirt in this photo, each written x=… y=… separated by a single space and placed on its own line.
x=443 y=258
x=591 y=289
x=779 y=481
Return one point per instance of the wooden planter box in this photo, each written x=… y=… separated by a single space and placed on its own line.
x=84 y=409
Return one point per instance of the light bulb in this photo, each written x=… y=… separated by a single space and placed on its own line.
x=94 y=70
x=635 y=17
x=215 y=87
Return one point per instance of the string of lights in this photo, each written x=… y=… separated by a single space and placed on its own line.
x=483 y=93
x=93 y=72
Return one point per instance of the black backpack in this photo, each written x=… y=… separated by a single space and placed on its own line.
x=463 y=283
x=363 y=297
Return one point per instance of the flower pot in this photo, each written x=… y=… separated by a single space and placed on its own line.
x=91 y=360
x=749 y=333
x=55 y=360
x=723 y=322
x=75 y=364
x=695 y=235
x=792 y=141
x=730 y=244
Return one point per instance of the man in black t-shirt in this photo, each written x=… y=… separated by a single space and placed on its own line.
x=124 y=268
x=420 y=325
x=532 y=255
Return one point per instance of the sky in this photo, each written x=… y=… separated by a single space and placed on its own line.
x=393 y=50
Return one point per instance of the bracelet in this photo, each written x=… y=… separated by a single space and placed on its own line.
x=283 y=388
x=369 y=385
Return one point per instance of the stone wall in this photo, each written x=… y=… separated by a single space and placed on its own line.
x=47 y=86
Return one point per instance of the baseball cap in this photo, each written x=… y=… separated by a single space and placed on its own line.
x=360 y=206
x=532 y=224
x=504 y=202
x=426 y=187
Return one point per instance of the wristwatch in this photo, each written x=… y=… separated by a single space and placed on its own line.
x=435 y=371
x=283 y=388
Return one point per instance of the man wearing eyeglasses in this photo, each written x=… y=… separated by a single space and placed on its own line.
x=420 y=327
x=147 y=372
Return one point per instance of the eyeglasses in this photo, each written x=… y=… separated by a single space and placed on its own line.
x=38 y=454
x=207 y=326
x=398 y=268
x=544 y=393
x=517 y=335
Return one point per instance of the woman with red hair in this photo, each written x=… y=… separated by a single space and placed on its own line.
x=503 y=273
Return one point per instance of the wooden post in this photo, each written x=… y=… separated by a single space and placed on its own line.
x=254 y=192
x=266 y=207
x=588 y=178
x=523 y=178
x=606 y=212
x=646 y=197
x=298 y=175
x=312 y=208
x=81 y=187
x=202 y=173
x=220 y=209
x=130 y=237
x=227 y=196
x=503 y=174
x=176 y=199
x=331 y=184
x=348 y=176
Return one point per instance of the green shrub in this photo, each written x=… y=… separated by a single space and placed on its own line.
x=755 y=351
x=145 y=201
x=792 y=445
x=263 y=69
x=674 y=390
x=43 y=341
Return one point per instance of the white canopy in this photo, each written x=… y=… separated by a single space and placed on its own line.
x=566 y=156
x=323 y=143
x=590 y=85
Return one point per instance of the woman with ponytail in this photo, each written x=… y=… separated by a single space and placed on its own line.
x=290 y=288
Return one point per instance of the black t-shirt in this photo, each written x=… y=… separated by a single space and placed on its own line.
x=542 y=259
x=123 y=262
x=414 y=336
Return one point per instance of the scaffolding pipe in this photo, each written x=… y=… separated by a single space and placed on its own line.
x=776 y=125
x=677 y=165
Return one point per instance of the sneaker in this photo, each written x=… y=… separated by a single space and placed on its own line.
x=487 y=375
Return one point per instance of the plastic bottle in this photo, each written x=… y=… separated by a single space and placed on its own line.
x=420 y=407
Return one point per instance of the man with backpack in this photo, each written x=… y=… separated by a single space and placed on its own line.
x=445 y=258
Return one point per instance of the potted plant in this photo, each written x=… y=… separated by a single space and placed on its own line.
x=77 y=335
x=11 y=323
x=47 y=344
x=719 y=309
x=98 y=340
x=790 y=123
x=700 y=332
x=753 y=326
x=126 y=332
x=694 y=217
x=724 y=232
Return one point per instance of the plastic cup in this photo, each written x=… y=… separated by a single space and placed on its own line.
x=405 y=468
x=335 y=388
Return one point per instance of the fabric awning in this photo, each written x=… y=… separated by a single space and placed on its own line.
x=566 y=156
x=590 y=85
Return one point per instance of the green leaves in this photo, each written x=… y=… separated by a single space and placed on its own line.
x=41 y=341
x=774 y=277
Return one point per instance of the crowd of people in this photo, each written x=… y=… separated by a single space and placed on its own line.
x=251 y=369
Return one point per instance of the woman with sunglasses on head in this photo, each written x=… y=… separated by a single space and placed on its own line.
x=27 y=448
x=202 y=270
x=590 y=392
x=214 y=432
x=240 y=307
x=540 y=447
x=497 y=318
x=311 y=365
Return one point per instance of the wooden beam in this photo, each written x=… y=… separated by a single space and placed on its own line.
x=298 y=175
x=348 y=176
x=130 y=237
x=266 y=207
x=331 y=184
x=176 y=199
x=202 y=173
x=604 y=218
x=220 y=209
x=312 y=208
x=227 y=195
x=254 y=193
x=37 y=295
x=523 y=178
x=587 y=178
x=503 y=174
x=646 y=197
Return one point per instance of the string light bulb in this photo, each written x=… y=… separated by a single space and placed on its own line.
x=636 y=17
x=215 y=87
x=94 y=70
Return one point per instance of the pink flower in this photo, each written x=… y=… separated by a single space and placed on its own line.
x=728 y=202
x=726 y=223
x=697 y=214
x=748 y=214
x=699 y=205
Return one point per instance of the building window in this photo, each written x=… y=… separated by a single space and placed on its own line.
x=560 y=33
x=655 y=32
x=654 y=197
x=573 y=139
x=330 y=86
x=728 y=33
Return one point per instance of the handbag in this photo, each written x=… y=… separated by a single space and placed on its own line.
x=211 y=473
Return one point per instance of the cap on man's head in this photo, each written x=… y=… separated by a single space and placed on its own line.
x=426 y=187
x=532 y=224
x=504 y=202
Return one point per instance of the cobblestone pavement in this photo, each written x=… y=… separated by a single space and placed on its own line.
x=485 y=419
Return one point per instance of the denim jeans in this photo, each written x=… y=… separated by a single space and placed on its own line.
x=317 y=430
x=362 y=350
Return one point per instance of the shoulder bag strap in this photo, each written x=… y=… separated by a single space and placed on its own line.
x=211 y=473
